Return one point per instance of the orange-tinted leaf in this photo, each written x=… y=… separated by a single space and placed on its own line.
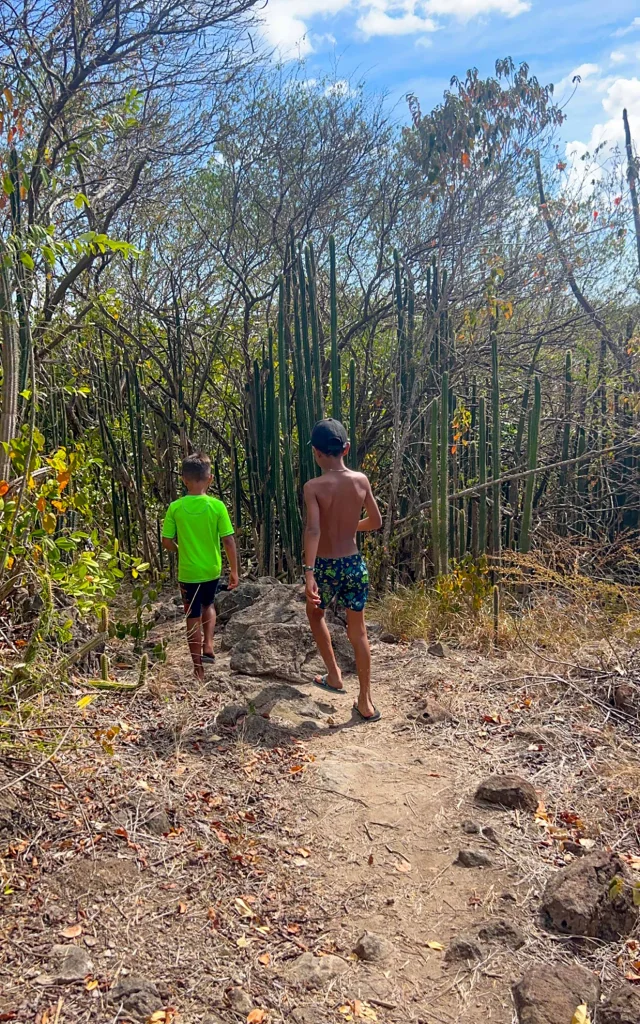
x=41 y=504
x=265 y=959
x=256 y=1016
x=182 y=908
x=72 y=931
x=4 y=487
x=465 y=160
x=63 y=478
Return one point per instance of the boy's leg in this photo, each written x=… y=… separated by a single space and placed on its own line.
x=322 y=637
x=357 y=633
x=208 y=627
x=194 y=639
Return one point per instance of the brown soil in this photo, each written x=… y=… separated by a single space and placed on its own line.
x=205 y=859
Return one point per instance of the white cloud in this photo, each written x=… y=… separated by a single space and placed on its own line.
x=464 y=10
x=424 y=41
x=286 y=22
x=377 y=21
x=619 y=93
x=618 y=57
x=635 y=24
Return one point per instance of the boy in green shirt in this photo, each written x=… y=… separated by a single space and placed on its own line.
x=200 y=522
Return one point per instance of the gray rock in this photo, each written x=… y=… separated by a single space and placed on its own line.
x=241 y=1001
x=622 y=1006
x=626 y=698
x=508 y=791
x=278 y=605
x=315 y=971
x=577 y=898
x=437 y=650
x=502 y=931
x=474 y=859
x=388 y=638
x=229 y=716
x=470 y=828
x=490 y=833
x=372 y=947
x=463 y=949
x=229 y=602
x=549 y=994
x=69 y=963
x=137 y=995
x=279 y=649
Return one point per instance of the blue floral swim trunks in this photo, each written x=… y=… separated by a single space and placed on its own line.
x=345 y=579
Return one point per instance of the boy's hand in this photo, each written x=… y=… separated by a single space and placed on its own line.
x=233 y=581
x=311 y=589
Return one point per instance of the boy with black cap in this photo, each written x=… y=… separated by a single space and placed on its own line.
x=334 y=568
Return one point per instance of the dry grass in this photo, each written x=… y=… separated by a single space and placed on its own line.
x=541 y=607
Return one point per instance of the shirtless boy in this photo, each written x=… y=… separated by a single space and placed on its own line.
x=334 y=568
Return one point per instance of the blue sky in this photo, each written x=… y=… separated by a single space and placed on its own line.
x=400 y=46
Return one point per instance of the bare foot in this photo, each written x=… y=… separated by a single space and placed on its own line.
x=365 y=706
x=332 y=680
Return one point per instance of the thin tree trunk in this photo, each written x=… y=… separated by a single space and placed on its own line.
x=632 y=177
x=9 y=413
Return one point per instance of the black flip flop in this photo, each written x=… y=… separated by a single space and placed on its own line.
x=323 y=685
x=375 y=717
x=208 y=659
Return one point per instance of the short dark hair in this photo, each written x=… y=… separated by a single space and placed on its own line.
x=196 y=466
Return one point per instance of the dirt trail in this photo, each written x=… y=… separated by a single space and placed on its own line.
x=212 y=865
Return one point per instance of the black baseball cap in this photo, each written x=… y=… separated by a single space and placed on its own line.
x=329 y=437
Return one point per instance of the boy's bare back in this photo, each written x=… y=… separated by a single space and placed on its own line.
x=339 y=497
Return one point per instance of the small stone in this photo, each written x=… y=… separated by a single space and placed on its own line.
x=508 y=791
x=432 y=713
x=388 y=638
x=474 y=859
x=315 y=971
x=241 y=1001
x=490 y=833
x=230 y=715
x=503 y=931
x=627 y=699
x=622 y=1006
x=463 y=948
x=577 y=899
x=470 y=828
x=437 y=650
x=549 y=994
x=372 y=947
x=70 y=963
x=136 y=995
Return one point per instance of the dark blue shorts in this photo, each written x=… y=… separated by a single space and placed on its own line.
x=196 y=596
x=345 y=579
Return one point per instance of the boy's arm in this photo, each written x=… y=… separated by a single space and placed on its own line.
x=373 y=520
x=229 y=544
x=311 y=541
x=169 y=531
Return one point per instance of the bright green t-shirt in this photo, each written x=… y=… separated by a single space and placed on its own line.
x=198 y=521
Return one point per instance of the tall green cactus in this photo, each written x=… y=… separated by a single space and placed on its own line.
x=315 y=332
x=495 y=446
x=482 y=477
x=532 y=459
x=336 y=387
x=443 y=513
x=353 y=453
x=435 y=488
x=566 y=430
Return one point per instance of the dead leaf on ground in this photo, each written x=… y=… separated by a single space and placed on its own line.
x=256 y=1016
x=182 y=908
x=164 y=1016
x=432 y=944
x=72 y=931
x=243 y=908
x=404 y=866
x=265 y=959
x=581 y=1016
